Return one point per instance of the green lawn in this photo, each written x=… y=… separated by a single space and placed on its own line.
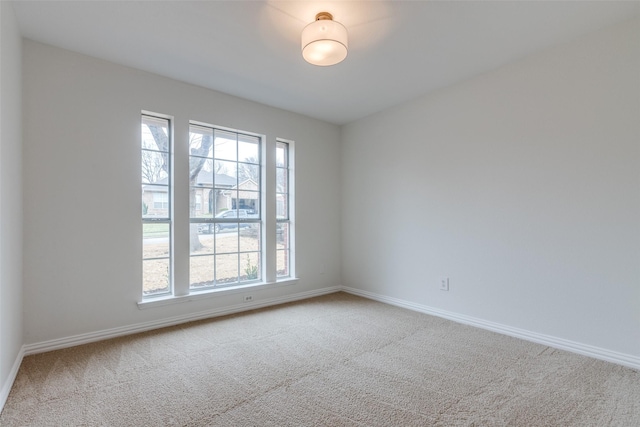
x=155 y=230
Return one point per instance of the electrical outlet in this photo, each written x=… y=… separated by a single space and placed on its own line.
x=444 y=284
x=248 y=298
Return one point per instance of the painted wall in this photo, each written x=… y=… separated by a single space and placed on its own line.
x=10 y=197
x=521 y=185
x=81 y=192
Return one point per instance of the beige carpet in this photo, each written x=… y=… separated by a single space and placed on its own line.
x=336 y=360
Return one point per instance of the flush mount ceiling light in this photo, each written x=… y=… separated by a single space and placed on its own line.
x=324 y=42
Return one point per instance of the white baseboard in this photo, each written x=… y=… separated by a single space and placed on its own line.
x=559 y=343
x=75 y=340
x=6 y=387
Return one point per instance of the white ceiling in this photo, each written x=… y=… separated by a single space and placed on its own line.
x=398 y=50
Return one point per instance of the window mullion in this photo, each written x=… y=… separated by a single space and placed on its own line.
x=181 y=208
x=269 y=203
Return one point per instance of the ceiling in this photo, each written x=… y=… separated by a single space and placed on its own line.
x=398 y=50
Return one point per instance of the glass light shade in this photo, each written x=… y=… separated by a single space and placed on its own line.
x=324 y=42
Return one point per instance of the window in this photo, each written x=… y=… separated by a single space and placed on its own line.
x=225 y=238
x=283 y=209
x=156 y=214
x=235 y=232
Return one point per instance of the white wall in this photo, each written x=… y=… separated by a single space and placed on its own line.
x=10 y=198
x=81 y=189
x=521 y=185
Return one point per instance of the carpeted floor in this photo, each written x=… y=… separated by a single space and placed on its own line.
x=336 y=360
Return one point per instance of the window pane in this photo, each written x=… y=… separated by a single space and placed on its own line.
x=225 y=205
x=200 y=141
x=282 y=263
x=248 y=203
x=282 y=183
x=155 y=241
x=155 y=133
x=283 y=250
x=201 y=237
x=250 y=266
x=250 y=237
x=155 y=276
x=201 y=171
x=248 y=149
x=201 y=271
x=226 y=269
x=281 y=155
x=201 y=202
x=154 y=167
x=225 y=146
x=226 y=237
x=220 y=201
x=282 y=235
x=225 y=174
x=155 y=201
x=248 y=175
x=282 y=206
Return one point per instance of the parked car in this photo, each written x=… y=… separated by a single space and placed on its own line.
x=207 y=228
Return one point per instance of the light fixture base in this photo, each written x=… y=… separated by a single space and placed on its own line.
x=323 y=16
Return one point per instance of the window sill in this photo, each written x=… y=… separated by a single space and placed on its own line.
x=212 y=293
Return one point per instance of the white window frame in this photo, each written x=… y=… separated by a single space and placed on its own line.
x=215 y=221
x=181 y=222
x=290 y=157
x=161 y=220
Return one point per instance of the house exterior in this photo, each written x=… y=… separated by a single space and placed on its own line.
x=211 y=194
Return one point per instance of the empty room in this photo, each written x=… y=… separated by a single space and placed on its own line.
x=297 y=213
